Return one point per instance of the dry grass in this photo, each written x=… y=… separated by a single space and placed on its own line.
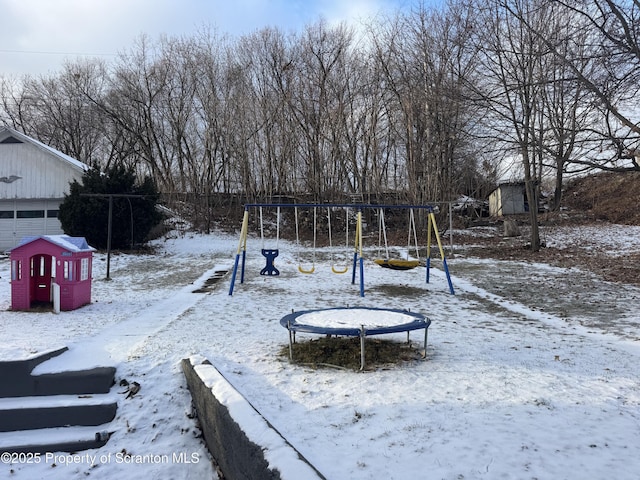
x=344 y=352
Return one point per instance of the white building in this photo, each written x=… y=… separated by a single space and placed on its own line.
x=33 y=181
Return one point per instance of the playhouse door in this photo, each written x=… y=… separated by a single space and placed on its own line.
x=41 y=278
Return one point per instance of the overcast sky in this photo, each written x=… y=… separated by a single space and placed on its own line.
x=36 y=36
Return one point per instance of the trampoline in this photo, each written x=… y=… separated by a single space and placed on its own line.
x=354 y=322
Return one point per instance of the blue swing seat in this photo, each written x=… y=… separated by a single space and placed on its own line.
x=270 y=254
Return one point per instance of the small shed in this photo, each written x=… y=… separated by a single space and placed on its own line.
x=508 y=199
x=51 y=270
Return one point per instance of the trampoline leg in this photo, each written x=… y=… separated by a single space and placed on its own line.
x=426 y=332
x=362 y=334
x=290 y=344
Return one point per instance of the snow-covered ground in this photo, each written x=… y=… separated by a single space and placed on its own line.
x=519 y=383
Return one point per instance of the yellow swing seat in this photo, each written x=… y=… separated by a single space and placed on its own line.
x=336 y=269
x=308 y=271
x=397 y=264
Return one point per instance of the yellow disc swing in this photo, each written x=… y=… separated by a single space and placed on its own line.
x=334 y=267
x=397 y=263
x=313 y=261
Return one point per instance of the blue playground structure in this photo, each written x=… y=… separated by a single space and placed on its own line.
x=270 y=254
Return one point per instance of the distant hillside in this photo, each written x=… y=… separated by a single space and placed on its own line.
x=614 y=197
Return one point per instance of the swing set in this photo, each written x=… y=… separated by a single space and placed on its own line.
x=271 y=254
x=334 y=267
x=398 y=263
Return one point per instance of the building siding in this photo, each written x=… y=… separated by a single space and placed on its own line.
x=12 y=230
x=33 y=177
x=41 y=174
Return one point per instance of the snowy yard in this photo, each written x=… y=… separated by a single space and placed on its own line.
x=516 y=385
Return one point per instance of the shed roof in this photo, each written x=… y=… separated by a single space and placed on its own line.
x=508 y=184
x=72 y=244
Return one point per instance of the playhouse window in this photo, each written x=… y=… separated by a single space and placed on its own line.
x=68 y=270
x=84 y=269
x=16 y=270
x=38 y=268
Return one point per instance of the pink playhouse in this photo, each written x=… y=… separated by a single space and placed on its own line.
x=51 y=270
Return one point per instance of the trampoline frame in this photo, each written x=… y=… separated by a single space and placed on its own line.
x=419 y=321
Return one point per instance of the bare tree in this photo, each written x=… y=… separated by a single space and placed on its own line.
x=610 y=73
x=313 y=96
x=423 y=58
x=513 y=61
x=15 y=109
x=565 y=126
x=265 y=59
x=317 y=113
x=53 y=110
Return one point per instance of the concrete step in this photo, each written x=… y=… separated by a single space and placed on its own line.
x=94 y=380
x=18 y=381
x=30 y=413
x=49 y=440
x=54 y=412
x=25 y=365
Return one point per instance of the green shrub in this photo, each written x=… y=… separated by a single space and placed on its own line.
x=85 y=210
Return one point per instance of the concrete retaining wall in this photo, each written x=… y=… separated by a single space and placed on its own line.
x=242 y=442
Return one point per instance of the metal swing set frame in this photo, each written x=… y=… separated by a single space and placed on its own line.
x=358 y=260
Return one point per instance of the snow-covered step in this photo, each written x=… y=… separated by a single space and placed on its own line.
x=51 y=411
x=61 y=439
x=18 y=381
x=95 y=380
x=29 y=413
x=11 y=403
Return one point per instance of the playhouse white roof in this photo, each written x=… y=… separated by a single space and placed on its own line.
x=73 y=244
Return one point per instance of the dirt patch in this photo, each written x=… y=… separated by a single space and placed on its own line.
x=344 y=352
x=610 y=196
x=609 y=266
x=592 y=201
x=598 y=258
x=398 y=291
